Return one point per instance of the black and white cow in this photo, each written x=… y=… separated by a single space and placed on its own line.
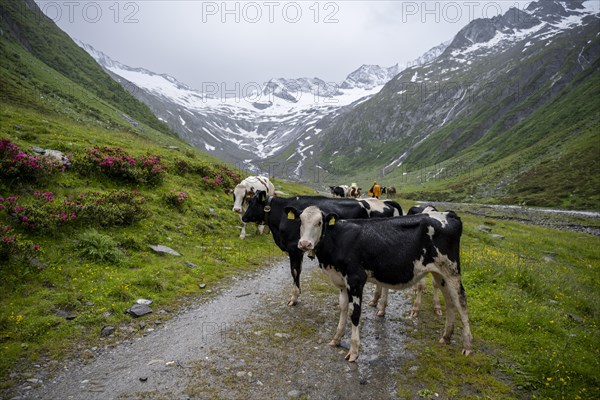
x=340 y=191
x=286 y=228
x=244 y=191
x=394 y=252
x=354 y=192
x=418 y=289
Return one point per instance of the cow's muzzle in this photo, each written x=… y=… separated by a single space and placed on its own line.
x=305 y=245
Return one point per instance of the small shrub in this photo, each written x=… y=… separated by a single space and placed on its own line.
x=13 y=246
x=18 y=166
x=98 y=247
x=42 y=212
x=116 y=163
x=213 y=175
x=177 y=199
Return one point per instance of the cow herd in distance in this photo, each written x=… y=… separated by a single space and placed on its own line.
x=358 y=240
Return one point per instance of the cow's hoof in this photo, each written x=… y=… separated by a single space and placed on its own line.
x=292 y=302
x=381 y=313
x=242 y=237
x=444 y=341
x=414 y=314
x=351 y=357
x=334 y=343
x=438 y=312
x=466 y=352
x=372 y=303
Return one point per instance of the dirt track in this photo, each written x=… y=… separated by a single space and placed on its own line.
x=245 y=343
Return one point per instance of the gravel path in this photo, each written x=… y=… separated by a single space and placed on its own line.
x=245 y=343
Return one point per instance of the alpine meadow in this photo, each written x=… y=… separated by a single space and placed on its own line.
x=117 y=232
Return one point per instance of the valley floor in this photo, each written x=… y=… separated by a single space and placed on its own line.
x=576 y=221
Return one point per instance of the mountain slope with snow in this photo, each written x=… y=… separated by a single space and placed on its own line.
x=250 y=126
x=478 y=103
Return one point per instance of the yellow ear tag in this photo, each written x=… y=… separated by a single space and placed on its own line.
x=291 y=215
x=332 y=222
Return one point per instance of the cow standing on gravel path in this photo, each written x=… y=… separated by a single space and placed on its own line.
x=286 y=228
x=381 y=293
x=244 y=191
x=394 y=252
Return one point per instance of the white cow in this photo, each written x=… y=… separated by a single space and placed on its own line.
x=244 y=191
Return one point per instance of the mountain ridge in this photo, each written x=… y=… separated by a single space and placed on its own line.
x=253 y=126
x=489 y=81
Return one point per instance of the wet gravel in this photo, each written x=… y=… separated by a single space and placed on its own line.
x=246 y=343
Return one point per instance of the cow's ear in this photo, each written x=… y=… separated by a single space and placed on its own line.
x=331 y=219
x=292 y=212
x=250 y=193
x=262 y=196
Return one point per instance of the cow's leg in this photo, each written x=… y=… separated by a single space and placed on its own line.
x=459 y=296
x=296 y=269
x=456 y=299
x=262 y=229
x=243 y=232
x=355 y=290
x=376 y=296
x=384 y=302
x=418 y=290
x=450 y=316
x=437 y=308
x=339 y=333
x=266 y=229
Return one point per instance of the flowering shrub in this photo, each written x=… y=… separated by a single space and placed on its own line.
x=116 y=163
x=213 y=175
x=42 y=212
x=179 y=200
x=12 y=245
x=16 y=165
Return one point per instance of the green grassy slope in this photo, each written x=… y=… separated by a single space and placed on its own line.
x=550 y=158
x=23 y=24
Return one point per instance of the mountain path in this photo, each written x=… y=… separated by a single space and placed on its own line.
x=246 y=343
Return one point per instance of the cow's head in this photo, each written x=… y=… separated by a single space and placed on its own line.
x=241 y=195
x=256 y=208
x=313 y=224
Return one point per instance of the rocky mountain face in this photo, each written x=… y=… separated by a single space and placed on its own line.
x=253 y=125
x=251 y=128
x=491 y=77
x=370 y=76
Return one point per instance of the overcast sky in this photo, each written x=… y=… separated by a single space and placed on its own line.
x=199 y=42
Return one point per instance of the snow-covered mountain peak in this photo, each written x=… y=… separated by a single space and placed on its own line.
x=292 y=89
x=370 y=76
x=540 y=20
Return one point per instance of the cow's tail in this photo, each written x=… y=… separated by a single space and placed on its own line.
x=396 y=206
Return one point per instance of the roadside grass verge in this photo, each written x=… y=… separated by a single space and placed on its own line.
x=534 y=307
